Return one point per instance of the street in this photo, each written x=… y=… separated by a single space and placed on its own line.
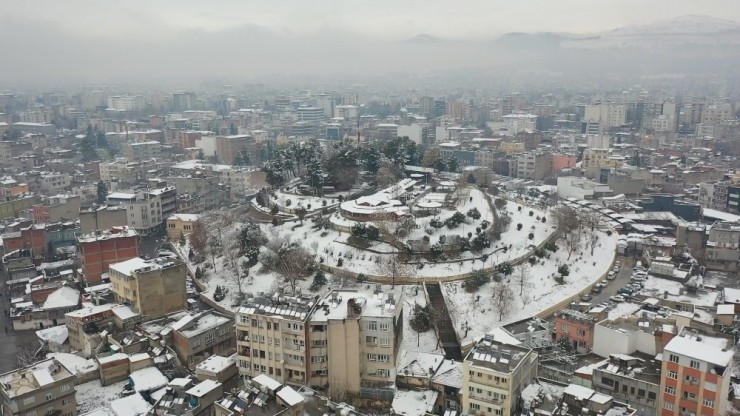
x=149 y=245
x=622 y=279
x=12 y=342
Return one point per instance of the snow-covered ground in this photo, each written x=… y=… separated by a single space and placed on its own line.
x=412 y=340
x=315 y=202
x=477 y=308
x=92 y=395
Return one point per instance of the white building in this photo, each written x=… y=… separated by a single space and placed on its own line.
x=516 y=123
x=603 y=116
x=146 y=211
x=415 y=132
x=126 y=102
x=581 y=188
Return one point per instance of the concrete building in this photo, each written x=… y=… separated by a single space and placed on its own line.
x=152 y=288
x=723 y=246
x=630 y=334
x=227 y=147
x=695 y=374
x=271 y=338
x=494 y=375
x=597 y=158
x=575 y=327
x=418 y=133
x=581 y=188
x=9 y=150
x=310 y=114
x=197 y=337
x=601 y=117
x=198 y=192
x=98 y=250
x=137 y=152
x=267 y=397
x=83 y=324
x=122 y=171
x=354 y=340
x=632 y=379
x=36 y=128
x=146 y=210
x=534 y=165
x=126 y=102
x=102 y=218
x=45 y=388
x=57 y=208
x=179 y=225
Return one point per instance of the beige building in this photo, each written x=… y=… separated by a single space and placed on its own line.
x=271 y=338
x=494 y=375
x=153 y=288
x=180 y=225
x=102 y=218
x=362 y=333
x=137 y=152
x=46 y=388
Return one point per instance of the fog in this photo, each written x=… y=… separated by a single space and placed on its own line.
x=86 y=42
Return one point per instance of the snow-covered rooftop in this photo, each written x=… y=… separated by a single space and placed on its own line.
x=414 y=403
x=55 y=334
x=203 y=388
x=335 y=305
x=216 y=363
x=148 y=379
x=184 y=217
x=89 y=309
x=64 y=297
x=288 y=395
x=713 y=350
x=133 y=405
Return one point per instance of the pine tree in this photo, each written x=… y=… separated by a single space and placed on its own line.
x=102 y=192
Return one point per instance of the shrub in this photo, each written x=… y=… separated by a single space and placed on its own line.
x=288 y=202
x=474 y=213
x=319 y=279
x=422 y=318
x=323 y=202
x=308 y=206
x=464 y=245
x=531 y=236
x=544 y=219
x=456 y=219
x=275 y=221
x=425 y=239
x=340 y=262
x=519 y=227
x=499 y=203
x=505 y=269
x=476 y=279
x=519 y=208
x=564 y=270
x=531 y=213
x=436 y=223
x=540 y=253
x=532 y=260
x=609 y=233
x=485 y=224
x=435 y=250
x=480 y=242
x=361 y=278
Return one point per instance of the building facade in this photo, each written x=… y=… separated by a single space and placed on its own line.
x=152 y=288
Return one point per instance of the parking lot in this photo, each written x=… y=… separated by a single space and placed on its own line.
x=621 y=280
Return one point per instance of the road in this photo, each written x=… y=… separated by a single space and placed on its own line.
x=149 y=245
x=623 y=277
x=12 y=342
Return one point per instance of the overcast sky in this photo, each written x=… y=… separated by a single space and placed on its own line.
x=88 y=41
x=381 y=19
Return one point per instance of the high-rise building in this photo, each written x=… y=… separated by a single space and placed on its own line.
x=126 y=102
x=695 y=374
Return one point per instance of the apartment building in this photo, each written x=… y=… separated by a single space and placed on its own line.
x=227 y=147
x=354 y=338
x=83 y=324
x=271 y=337
x=197 y=337
x=695 y=374
x=179 y=225
x=494 y=375
x=723 y=244
x=534 y=165
x=126 y=102
x=153 y=288
x=102 y=218
x=137 y=152
x=633 y=379
x=57 y=208
x=98 y=250
x=45 y=388
x=577 y=328
x=146 y=210
x=597 y=158
x=122 y=171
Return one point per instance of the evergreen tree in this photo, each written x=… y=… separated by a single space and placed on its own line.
x=102 y=192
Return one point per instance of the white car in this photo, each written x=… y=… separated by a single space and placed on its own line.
x=617 y=298
x=611 y=276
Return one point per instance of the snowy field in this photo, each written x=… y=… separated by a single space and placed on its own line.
x=413 y=341
x=544 y=291
x=92 y=395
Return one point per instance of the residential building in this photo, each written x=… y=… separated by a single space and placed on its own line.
x=272 y=336
x=597 y=158
x=126 y=102
x=45 y=388
x=533 y=165
x=152 y=288
x=179 y=225
x=146 y=210
x=9 y=150
x=601 y=117
x=633 y=379
x=122 y=171
x=184 y=398
x=695 y=374
x=494 y=375
x=588 y=403
x=140 y=151
x=354 y=341
x=203 y=191
x=577 y=328
x=687 y=210
x=264 y=396
x=197 y=337
x=218 y=368
x=36 y=128
x=581 y=188
x=310 y=114
x=57 y=208
x=98 y=250
x=629 y=334
x=102 y=218
x=723 y=246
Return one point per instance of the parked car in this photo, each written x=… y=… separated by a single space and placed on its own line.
x=617 y=298
x=596 y=289
x=587 y=297
x=637 y=279
x=611 y=276
x=625 y=291
x=604 y=283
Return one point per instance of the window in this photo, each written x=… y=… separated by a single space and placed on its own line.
x=372 y=325
x=49 y=397
x=50 y=410
x=640 y=393
x=210 y=337
x=475 y=406
x=690 y=396
x=581 y=333
x=709 y=403
x=269 y=325
x=607 y=381
x=318 y=359
x=385 y=342
x=673 y=358
x=29 y=400
x=371 y=340
x=385 y=327
x=64 y=387
x=564 y=327
x=691 y=380
x=383 y=373
x=651 y=395
x=673 y=375
x=694 y=364
x=670 y=390
x=65 y=402
x=277 y=341
x=710 y=386
x=31 y=413
x=384 y=358
x=276 y=327
x=372 y=357
x=668 y=406
x=498 y=412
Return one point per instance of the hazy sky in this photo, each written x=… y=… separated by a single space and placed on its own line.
x=382 y=19
x=179 y=41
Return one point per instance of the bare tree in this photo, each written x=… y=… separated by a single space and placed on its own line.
x=569 y=226
x=289 y=259
x=386 y=177
x=395 y=266
x=523 y=277
x=592 y=221
x=526 y=298
x=503 y=299
x=199 y=238
x=28 y=354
